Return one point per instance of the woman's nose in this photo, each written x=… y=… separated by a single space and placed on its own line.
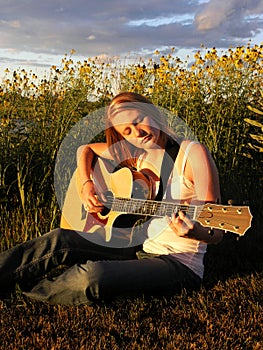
x=137 y=131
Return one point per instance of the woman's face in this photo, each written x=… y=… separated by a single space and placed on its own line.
x=137 y=128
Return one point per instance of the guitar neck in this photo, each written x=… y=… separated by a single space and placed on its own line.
x=236 y=219
x=152 y=208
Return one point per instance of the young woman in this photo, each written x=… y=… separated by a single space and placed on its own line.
x=169 y=258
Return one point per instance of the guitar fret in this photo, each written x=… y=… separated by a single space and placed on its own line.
x=162 y=210
x=195 y=213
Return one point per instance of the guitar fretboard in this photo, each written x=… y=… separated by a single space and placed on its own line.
x=150 y=207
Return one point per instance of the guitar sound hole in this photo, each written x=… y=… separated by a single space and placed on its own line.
x=105 y=211
x=140 y=190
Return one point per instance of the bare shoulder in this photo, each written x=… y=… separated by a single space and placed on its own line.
x=101 y=149
x=193 y=149
x=194 y=145
x=198 y=161
x=196 y=150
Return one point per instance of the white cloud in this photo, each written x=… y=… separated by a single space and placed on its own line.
x=91 y=37
x=159 y=21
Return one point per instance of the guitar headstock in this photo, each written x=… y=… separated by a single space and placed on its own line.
x=236 y=219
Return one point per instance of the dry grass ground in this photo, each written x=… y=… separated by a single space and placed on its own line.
x=227 y=313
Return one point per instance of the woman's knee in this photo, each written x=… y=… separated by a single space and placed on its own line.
x=59 y=235
x=94 y=273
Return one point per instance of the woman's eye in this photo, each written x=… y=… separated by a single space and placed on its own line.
x=127 y=131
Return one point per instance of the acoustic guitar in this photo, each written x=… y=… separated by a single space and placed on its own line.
x=128 y=202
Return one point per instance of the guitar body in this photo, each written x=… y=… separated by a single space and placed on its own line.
x=108 y=225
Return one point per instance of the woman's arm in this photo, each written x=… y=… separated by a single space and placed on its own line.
x=202 y=172
x=85 y=157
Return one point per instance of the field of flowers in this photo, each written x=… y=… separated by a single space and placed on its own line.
x=220 y=96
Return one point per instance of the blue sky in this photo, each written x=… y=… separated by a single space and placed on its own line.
x=35 y=34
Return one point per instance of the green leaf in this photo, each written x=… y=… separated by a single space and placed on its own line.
x=255 y=110
x=257 y=137
x=253 y=122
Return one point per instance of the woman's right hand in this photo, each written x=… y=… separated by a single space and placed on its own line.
x=90 y=199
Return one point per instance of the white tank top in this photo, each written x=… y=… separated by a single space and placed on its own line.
x=161 y=238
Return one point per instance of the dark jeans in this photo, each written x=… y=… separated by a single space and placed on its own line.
x=94 y=272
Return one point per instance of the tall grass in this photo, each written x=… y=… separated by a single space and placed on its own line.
x=210 y=94
x=218 y=96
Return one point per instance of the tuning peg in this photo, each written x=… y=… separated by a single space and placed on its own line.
x=233 y=202
x=211 y=231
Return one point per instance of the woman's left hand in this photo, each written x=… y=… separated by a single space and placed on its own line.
x=180 y=224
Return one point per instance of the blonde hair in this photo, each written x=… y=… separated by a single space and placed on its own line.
x=122 y=151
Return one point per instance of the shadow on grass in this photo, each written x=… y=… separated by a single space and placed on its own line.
x=234 y=256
